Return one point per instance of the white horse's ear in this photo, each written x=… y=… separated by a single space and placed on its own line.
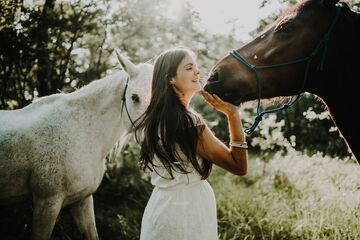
x=126 y=64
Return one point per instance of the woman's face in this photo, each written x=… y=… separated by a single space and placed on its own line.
x=187 y=76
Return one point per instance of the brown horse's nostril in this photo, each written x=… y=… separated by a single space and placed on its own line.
x=214 y=77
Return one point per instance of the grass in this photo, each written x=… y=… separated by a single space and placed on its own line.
x=283 y=197
x=290 y=197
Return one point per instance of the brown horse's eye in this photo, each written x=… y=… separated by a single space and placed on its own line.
x=135 y=98
x=285 y=27
x=288 y=27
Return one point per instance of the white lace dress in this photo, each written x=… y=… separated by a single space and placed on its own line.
x=180 y=209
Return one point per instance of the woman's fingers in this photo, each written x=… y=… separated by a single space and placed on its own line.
x=217 y=103
x=212 y=100
x=208 y=96
x=217 y=98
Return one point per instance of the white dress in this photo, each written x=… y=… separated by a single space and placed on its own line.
x=183 y=208
x=180 y=209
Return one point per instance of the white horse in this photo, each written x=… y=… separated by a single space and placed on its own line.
x=54 y=148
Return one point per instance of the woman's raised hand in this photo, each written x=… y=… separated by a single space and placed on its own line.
x=220 y=105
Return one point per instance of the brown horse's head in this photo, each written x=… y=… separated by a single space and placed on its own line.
x=292 y=36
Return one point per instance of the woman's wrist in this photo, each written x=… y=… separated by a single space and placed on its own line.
x=239 y=144
x=232 y=114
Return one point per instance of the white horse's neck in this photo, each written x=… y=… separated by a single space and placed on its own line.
x=100 y=93
x=100 y=104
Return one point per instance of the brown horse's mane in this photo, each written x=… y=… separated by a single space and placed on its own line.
x=281 y=100
x=321 y=101
x=290 y=11
x=272 y=102
x=295 y=9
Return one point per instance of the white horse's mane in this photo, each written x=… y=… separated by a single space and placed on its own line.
x=107 y=82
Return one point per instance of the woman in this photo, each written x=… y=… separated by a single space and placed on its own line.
x=180 y=149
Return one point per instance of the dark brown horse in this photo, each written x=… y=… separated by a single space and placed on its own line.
x=314 y=47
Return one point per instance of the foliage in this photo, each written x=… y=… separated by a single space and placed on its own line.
x=293 y=129
x=38 y=41
x=122 y=196
x=291 y=197
x=61 y=45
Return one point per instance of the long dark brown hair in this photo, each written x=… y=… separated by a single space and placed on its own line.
x=169 y=130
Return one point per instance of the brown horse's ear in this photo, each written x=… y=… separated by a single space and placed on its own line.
x=328 y=3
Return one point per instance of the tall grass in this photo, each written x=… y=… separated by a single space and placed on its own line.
x=290 y=197
x=284 y=197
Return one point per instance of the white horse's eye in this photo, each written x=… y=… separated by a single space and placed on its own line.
x=135 y=98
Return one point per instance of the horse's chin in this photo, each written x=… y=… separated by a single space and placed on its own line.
x=227 y=96
x=231 y=98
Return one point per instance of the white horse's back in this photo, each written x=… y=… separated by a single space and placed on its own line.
x=28 y=136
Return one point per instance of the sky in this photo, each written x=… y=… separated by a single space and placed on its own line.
x=218 y=16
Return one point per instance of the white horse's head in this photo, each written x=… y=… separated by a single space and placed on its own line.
x=136 y=94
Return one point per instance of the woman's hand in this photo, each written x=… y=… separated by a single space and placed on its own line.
x=220 y=105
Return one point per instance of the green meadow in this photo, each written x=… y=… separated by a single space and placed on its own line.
x=290 y=197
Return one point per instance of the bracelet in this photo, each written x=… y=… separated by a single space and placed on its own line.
x=238 y=144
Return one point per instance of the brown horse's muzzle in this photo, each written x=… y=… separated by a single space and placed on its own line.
x=216 y=86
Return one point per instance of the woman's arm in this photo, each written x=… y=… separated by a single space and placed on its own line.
x=233 y=159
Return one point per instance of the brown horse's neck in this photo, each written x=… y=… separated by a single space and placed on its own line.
x=336 y=84
x=341 y=60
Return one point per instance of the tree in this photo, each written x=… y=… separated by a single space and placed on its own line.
x=60 y=45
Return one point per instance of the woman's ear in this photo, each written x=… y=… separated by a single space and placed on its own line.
x=172 y=81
